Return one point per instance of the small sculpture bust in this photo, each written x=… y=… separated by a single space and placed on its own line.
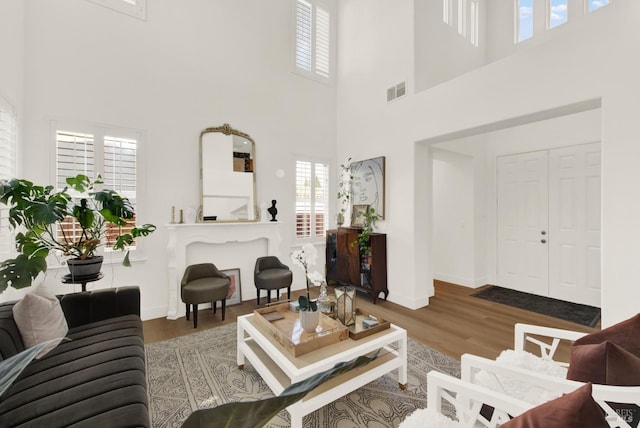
x=273 y=210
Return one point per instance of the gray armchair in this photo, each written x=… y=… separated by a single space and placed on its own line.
x=203 y=283
x=271 y=274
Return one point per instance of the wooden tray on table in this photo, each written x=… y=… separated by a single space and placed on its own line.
x=358 y=330
x=284 y=326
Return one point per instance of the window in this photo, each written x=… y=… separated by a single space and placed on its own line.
x=462 y=17
x=93 y=150
x=314 y=39
x=524 y=20
x=135 y=8
x=557 y=12
x=7 y=170
x=447 y=11
x=596 y=4
x=474 y=22
x=312 y=184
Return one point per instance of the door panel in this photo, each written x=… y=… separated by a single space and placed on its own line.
x=574 y=222
x=522 y=216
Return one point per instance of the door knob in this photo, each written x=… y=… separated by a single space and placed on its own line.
x=544 y=241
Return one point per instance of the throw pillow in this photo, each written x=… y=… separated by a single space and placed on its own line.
x=576 y=409
x=604 y=363
x=39 y=318
x=625 y=334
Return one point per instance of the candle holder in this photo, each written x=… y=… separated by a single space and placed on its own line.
x=346 y=305
x=324 y=303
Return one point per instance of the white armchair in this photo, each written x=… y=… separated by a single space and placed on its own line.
x=512 y=374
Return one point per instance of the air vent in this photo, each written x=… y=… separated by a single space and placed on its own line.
x=397 y=91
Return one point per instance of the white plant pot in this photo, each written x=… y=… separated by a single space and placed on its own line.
x=309 y=320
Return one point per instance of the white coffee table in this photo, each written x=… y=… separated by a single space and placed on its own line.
x=279 y=368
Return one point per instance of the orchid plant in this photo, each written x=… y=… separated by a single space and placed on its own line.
x=304 y=258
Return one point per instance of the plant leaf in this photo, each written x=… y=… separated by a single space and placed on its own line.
x=21 y=271
x=258 y=413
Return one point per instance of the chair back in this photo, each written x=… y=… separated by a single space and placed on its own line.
x=199 y=271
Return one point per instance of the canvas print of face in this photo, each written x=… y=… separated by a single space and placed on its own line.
x=367 y=185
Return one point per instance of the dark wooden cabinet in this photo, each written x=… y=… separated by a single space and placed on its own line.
x=348 y=266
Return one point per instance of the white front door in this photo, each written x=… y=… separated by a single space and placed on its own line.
x=522 y=222
x=549 y=223
x=574 y=224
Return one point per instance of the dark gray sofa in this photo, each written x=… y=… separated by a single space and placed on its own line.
x=96 y=379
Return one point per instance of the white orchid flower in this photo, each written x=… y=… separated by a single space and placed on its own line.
x=310 y=254
x=315 y=277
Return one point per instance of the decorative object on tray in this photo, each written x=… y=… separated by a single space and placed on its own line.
x=324 y=303
x=366 y=324
x=286 y=328
x=73 y=225
x=346 y=305
x=367 y=183
x=306 y=257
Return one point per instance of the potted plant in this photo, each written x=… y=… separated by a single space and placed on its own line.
x=305 y=258
x=344 y=190
x=40 y=214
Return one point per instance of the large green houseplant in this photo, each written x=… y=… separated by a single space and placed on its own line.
x=38 y=213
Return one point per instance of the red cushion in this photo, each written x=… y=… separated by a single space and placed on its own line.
x=576 y=409
x=625 y=334
x=605 y=363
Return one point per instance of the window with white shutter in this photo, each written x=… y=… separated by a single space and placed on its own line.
x=93 y=150
x=314 y=39
x=312 y=184
x=7 y=171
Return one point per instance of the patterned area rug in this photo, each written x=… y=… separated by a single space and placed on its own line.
x=200 y=371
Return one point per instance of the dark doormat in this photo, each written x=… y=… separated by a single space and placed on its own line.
x=574 y=312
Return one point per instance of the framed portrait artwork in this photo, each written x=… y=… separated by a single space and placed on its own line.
x=367 y=183
x=235 y=296
x=357 y=215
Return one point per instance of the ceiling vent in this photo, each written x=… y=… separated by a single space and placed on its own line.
x=397 y=91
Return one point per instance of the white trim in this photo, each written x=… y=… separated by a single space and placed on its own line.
x=135 y=8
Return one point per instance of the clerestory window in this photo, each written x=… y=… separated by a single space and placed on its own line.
x=314 y=39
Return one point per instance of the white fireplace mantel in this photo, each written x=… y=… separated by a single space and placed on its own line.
x=182 y=235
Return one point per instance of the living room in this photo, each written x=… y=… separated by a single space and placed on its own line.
x=189 y=66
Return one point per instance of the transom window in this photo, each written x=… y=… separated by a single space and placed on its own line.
x=596 y=4
x=558 y=13
x=312 y=198
x=135 y=8
x=314 y=39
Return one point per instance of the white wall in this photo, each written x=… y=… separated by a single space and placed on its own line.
x=573 y=73
x=189 y=66
x=453 y=218
x=11 y=63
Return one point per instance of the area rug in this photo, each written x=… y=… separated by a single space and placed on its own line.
x=574 y=312
x=200 y=371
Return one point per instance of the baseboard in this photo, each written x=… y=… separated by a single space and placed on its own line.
x=407 y=302
x=458 y=280
x=152 y=313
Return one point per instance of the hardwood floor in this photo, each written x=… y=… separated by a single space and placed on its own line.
x=454 y=322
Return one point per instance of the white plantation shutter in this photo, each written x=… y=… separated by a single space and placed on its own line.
x=303 y=199
x=322 y=39
x=75 y=154
x=311 y=199
x=120 y=175
x=313 y=38
x=303 y=35
x=7 y=171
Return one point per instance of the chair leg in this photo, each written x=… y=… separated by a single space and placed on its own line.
x=195 y=316
x=258 y=296
x=268 y=296
x=188 y=310
x=224 y=306
x=278 y=294
x=289 y=293
x=213 y=306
